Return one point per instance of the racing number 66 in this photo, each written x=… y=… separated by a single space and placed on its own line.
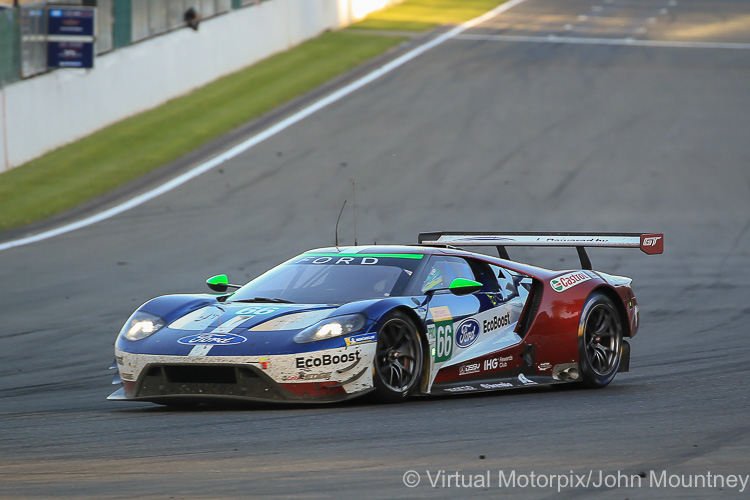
x=444 y=340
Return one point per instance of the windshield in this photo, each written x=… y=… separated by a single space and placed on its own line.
x=323 y=278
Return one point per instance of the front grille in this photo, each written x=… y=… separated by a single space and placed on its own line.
x=201 y=374
x=206 y=380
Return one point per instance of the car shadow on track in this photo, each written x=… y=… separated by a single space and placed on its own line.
x=366 y=401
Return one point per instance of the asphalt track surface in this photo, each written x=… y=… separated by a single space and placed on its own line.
x=476 y=134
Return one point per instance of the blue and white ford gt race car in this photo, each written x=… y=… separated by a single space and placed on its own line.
x=336 y=323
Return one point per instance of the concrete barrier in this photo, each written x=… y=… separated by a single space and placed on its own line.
x=43 y=113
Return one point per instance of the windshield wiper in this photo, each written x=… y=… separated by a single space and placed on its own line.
x=265 y=299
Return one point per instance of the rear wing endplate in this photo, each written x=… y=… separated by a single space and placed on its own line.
x=649 y=243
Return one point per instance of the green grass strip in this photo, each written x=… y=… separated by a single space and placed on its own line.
x=423 y=15
x=120 y=153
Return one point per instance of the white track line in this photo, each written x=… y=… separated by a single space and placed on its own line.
x=262 y=136
x=605 y=41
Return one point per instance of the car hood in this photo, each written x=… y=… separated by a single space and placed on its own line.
x=225 y=318
x=236 y=329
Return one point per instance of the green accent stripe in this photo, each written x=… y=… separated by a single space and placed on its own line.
x=417 y=256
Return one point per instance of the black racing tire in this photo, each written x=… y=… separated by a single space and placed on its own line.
x=599 y=341
x=397 y=368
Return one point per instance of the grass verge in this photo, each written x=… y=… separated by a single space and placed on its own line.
x=120 y=153
x=423 y=15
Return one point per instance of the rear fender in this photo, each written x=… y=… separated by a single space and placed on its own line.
x=625 y=318
x=552 y=333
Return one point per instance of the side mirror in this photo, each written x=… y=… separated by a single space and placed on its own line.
x=219 y=283
x=462 y=286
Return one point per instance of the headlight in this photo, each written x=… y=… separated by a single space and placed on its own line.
x=141 y=325
x=332 y=328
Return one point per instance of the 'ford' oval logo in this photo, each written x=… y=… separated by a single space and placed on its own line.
x=467 y=332
x=212 y=338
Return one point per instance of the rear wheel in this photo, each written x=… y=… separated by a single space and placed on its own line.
x=398 y=359
x=599 y=341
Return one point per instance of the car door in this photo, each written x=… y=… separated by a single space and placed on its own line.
x=445 y=310
x=464 y=328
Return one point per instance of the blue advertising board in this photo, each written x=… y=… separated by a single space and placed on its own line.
x=71 y=21
x=70 y=55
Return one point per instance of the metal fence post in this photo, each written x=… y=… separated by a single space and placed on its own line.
x=10 y=46
x=122 y=11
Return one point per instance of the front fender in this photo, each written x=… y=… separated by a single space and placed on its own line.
x=172 y=307
x=376 y=309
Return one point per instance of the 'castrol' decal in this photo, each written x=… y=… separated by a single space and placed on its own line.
x=562 y=283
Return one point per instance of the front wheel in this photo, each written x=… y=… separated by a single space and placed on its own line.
x=398 y=359
x=599 y=341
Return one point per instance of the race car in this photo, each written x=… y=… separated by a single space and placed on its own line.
x=392 y=320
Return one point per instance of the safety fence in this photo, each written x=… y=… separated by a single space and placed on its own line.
x=153 y=18
x=119 y=23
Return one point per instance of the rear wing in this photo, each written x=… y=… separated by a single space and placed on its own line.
x=649 y=243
